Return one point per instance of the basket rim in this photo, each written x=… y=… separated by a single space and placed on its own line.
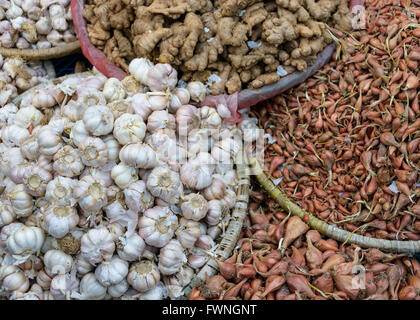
x=42 y=54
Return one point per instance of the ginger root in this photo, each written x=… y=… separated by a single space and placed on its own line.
x=227 y=44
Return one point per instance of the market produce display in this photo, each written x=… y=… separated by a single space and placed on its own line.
x=345 y=142
x=35 y=24
x=113 y=189
x=228 y=45
x=307 y=266
x=16 y=76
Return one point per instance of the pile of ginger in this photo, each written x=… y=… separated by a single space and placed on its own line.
x=227 y=44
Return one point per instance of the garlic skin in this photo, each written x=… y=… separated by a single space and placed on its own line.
x=161 y=77
x=229 y=199
x=18 y=173
x=157 y=100
x=129 y=128
x=139 y=67
x=49 y=140
x=25 y=241
x=124 y=175
x=131 y=248
x=97 y=245
x=187 y=118
x=141 y=105
x=21 y=201
x=160 y=120
x=137 y=198
x=63 y=285
x=138 y=155
x=111 y=272
x=157 y=226
x=171 y=258
x=57 y=262
x=165 y=184
x=178 y=98
x=90 y=194
x=93 y=152
x=188 y=232
x=215 y=191
x=73 y=110
x=197 y=90
x=223 y=111
x=13 y=279
x=68 y=162
x=158 y=292
x=197 y=258
x=196 y=174
x=225 y=150
x=143 y=276
x=60 y=191
x=60 y=220
x=117 y=290
x=78 y=133
x=91 y=288
x=113 y=90
x=194 y=207
x=214 y=213
x=98 y=120
x=176 y=283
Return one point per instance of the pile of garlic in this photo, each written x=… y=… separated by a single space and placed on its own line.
x=35 y=24
x=113 y=189
x=17 y=76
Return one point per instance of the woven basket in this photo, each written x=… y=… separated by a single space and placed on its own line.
x=42 y=54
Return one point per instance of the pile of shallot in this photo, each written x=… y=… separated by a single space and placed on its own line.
x=35 y=24
x=279 y=258
x=112 y=189
x=16 y=76
x=346 y=143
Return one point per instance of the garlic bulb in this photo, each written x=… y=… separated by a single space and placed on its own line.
x=143 y=276
x=113 y=147
x=13 y=135
x=188 y=232
x=223 y=111
x=112 y=271
x=225 y=150
x=157 y=226
x=63 y=285
x=161 y=77
x=178 y=98
x=78 y=133
x=160 y=120
x=82 y=265
x=73 y=110
x=28 y=116
x=57 y=262
x=187 y=118
x=60 y=220
x=157 y=100
x=209 y=118
x=117 y=290
x=36 y=181
x=91 y=288
x=129 y=128
x=98 y=120
x=229 y=199
x=176 y=283
x=68 y=162
x=18 y=173
x=119 y=107
x=214 y=213
x=158 y=292
x=49 y=140
x=13 y=279
x=196 y=174
x=93 y=152
x=60 y=191
x=99 y=174
x=137 y=198
x=139 y=67
x=21 y=201
x=141 y=105
x=130 y=248
x=197 y=258
x=7 y=215
x=165 y=184
x=194 y=207
x=113 y=90
x=97 y=245
x=138 y=155
x=124 y=175
x=91 y=97
x=25 y=241
x=197 y=90
x=171 y=258
x=90 y=194
x=215 y=191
